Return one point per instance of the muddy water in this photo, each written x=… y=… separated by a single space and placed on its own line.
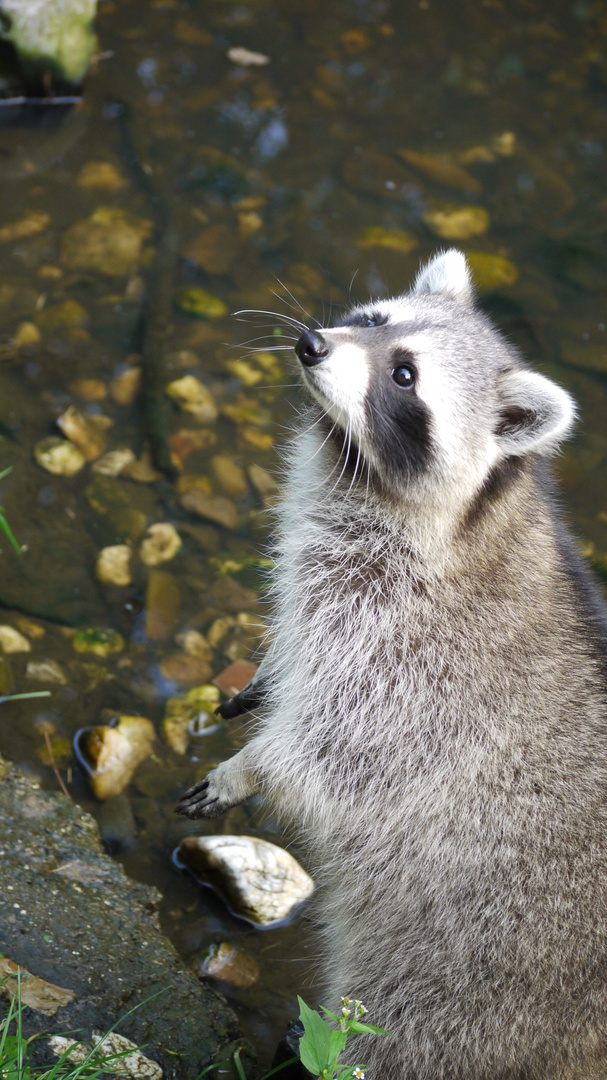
x=326 y=173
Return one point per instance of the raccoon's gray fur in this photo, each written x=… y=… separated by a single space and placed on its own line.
x=436 y=698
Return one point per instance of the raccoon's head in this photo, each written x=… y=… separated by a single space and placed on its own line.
x=427 y=391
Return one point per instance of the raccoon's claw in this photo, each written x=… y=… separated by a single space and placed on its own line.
x=202 y=800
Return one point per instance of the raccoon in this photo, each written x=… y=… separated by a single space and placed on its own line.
x=435 y=697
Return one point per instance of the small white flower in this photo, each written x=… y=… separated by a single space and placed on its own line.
x=345 y=1013
x=359 y=1074
x=345 y=1001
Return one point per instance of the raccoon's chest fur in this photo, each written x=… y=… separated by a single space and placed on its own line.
x=408 y=690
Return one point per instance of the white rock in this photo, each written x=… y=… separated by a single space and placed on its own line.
x=132 y=1064
x=193 y=398
x=112 y=463
x=12 y=641
x=46 y=671
x=257 y=880
x=247 y=58
x=113 y=565
x=160 y=544
x=59 y=456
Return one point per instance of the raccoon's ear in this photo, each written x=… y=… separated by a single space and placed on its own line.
x=534 y=413
x=447 y=274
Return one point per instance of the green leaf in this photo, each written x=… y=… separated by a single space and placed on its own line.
x=4 y=525
x=314 y=1043
x=337 y=1043
x=332 y=1015
x=357 y=1028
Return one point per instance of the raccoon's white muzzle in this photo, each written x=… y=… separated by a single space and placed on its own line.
x=337 y=376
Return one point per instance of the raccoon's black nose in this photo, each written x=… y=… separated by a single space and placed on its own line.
x=311 y=348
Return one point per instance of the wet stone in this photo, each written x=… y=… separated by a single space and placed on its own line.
x=215 y=508
x=201 y=304
x=191 y=713
x=228 y=964
x=59 y=456
x=46 y=671
x=230 y=476
x=375 y=236
x=90 y=390
x=68 y=315
x=100 y=176
x=215 y=250
x=441 y=169
x=26 y=335
x=110 y=242
x=194 y=398
x=181 y=668
x=457 y=222
x=125 y=387
x=194 y=644
x=89 y=435
x=160 y=544
x=33 y=223
x=114 y=462
x=262 y=481
x=258 y=881
x=11 y=641
x=162 y=603
x=113 y=566
x=235 y=677
x=117 y=824
x=98 y=641
x=491 y=271
x=110 y=755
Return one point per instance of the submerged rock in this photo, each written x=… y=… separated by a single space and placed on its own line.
x=442 y=169
x=193 y=398
x=11 y=641
x=181 y=668
x=191 y=714
x=215 y=508
x=491 y=271
x=457 y=222
x=229 y=475
x=162 y=601
x=110 y=755
x=100 y=176
x=88 y=434
x=375 y=236
x=113 y=566
x=98 y=641
x=201 y=304
x=230 y=965
x=59 y=456
x=110 y=242
x=46 y=671
x=258 y=881
x=160 y=544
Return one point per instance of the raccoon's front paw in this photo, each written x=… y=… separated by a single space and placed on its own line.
x=209 y=798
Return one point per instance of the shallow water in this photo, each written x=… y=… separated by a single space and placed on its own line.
x=296 y=160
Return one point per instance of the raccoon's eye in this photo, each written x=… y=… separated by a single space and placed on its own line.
x=370 y=320
x=403 y=376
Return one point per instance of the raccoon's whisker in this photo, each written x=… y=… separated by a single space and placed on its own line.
x=275 y=315
x=296 y=302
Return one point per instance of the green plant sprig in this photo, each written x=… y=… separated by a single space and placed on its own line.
x=321 y=1046
x=4 y=525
